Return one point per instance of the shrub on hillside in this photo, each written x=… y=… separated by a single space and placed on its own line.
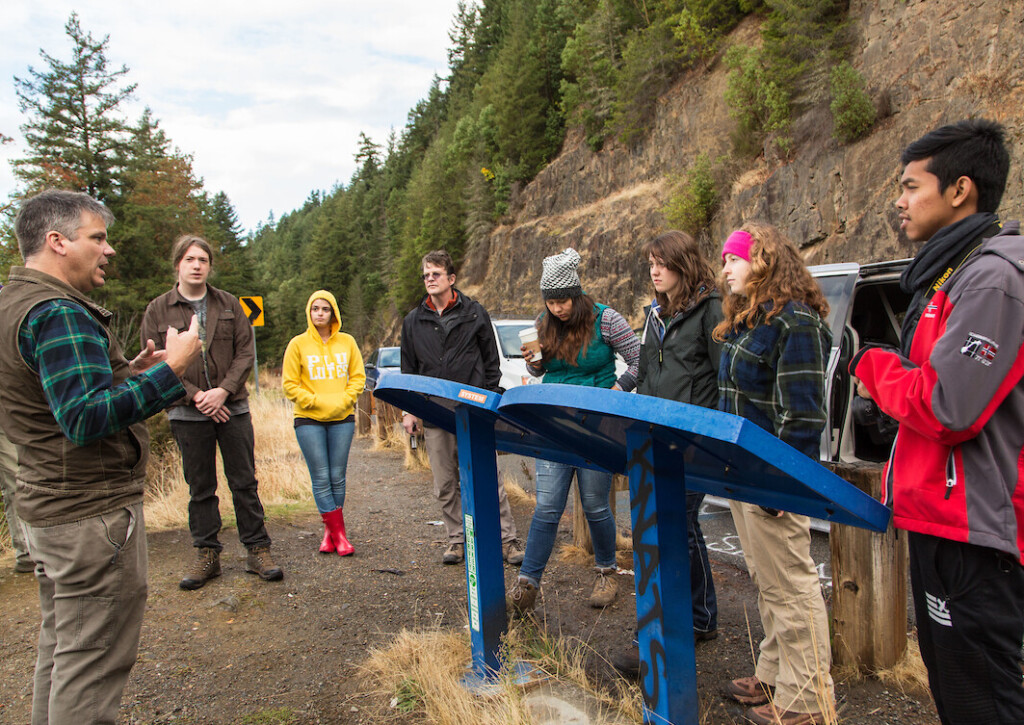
x=694 y=200
x=853 y=113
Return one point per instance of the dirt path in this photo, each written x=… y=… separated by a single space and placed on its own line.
x=244 y=651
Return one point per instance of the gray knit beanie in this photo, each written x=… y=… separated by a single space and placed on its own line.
x=560 y=280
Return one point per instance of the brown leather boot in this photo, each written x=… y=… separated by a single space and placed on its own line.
x=204 y=568
x=605 y=588
x=258 y=562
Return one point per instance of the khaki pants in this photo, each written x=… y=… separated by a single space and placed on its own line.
x=795 y=655
x=443 y=450
x=92 y=595
x=8 y=475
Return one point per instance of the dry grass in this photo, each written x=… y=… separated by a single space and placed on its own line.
x=909 y=672
x=422 y=671
x=280 y=468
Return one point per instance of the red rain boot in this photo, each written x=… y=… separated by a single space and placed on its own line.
x=341 y=542
x=327 y=546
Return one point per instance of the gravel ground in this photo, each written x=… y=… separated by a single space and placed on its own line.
x=241 y=650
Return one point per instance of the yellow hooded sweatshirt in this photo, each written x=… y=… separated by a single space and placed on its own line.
x=323 y=379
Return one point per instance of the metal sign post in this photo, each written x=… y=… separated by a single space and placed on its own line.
x=254 y=311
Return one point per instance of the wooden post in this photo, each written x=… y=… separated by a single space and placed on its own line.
x=364 y=406
x=386 y=417
x=869 y=586
x=580 y=527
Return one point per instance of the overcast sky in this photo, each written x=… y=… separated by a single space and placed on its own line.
x=268 y=96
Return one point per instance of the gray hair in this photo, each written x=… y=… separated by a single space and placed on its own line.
x=54 y=210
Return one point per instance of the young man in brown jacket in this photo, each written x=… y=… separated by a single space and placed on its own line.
x=214 y=412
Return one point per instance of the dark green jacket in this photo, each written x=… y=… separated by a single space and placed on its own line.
x=683 y=366
x=596 y=369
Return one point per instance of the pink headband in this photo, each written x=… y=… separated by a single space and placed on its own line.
x=738 y=243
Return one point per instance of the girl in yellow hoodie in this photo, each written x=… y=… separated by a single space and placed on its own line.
x=323 y=375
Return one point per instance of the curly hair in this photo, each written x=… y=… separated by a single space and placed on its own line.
x=777 y=276
x=679 y=252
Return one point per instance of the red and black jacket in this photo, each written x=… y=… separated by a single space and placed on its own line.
x=957 y=464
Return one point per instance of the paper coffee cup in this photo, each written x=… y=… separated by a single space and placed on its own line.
x=528 y=337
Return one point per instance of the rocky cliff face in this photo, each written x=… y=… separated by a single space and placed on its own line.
x=926 y=63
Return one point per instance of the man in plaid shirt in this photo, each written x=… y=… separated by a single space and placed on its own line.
x=73 y=406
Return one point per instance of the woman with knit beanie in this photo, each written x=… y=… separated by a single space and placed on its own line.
x=578 y=340
x=775 y=347
x=323 y=375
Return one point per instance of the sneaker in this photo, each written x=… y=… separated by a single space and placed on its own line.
x=523 y=596
x=749 y=691
x=770 y=715
x=27 y=566
x=605 y=588
x=204 y=568
x=453 y=554
x=258 y=562
x=514 y=552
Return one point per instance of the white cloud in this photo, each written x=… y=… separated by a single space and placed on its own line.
x=268 y=97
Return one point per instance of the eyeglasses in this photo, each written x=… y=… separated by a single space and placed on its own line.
x=432 y=275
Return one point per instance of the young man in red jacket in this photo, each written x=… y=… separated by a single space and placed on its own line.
x=954 y=477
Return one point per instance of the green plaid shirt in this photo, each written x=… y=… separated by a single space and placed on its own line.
x=68 y=349
x=774 y=375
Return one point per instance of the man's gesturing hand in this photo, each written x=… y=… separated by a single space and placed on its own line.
x=183 y=347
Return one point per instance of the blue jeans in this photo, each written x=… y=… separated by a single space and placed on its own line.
x=325 y=448
x=553 y=482
x=702 y=586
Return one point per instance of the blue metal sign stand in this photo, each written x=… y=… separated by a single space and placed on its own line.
x=661 y=567
x=470 y=414
x=666 y=448
x=485 y=572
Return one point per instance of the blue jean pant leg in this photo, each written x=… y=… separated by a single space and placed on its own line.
x=198 y=443
x=553 y=482
x=702 y=585
x=326 y=449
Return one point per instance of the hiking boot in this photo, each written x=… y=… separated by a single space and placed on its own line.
x=770 y=715
x=453 y=554
x=605 y=588
x=514 y=552
x=258 y=562
x=628 y=663
x=749 y=691
x=702 y=636
x=204 y=568
x=523 y=596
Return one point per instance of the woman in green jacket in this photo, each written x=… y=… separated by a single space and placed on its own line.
x=578 y=340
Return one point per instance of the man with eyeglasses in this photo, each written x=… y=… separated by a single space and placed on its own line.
x=449 y=336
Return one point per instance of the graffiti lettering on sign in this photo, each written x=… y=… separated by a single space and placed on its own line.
x=650 y=613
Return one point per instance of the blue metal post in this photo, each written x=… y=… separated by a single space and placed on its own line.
x=485 y=577
x=661 y=561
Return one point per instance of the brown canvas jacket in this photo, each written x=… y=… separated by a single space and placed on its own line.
x=229 y=345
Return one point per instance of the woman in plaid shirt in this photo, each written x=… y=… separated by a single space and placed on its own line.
x=775 y=346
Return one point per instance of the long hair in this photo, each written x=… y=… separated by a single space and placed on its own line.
x=680 y=253
x=567 y=340
x=777 y=275
x=185 y=242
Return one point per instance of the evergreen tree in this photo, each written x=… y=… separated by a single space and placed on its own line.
x=76 y=136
